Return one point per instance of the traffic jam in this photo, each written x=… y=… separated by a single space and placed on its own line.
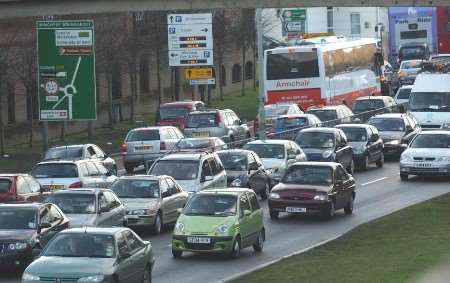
x=203 y=174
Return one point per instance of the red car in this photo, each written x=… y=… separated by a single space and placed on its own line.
x=174 y=113
x=20 y=188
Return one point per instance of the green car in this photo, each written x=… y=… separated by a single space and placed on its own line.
x=220 y=221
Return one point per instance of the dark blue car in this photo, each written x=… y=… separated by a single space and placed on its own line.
x=287 y=126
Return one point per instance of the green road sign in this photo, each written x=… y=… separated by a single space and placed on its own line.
x=66 y=70
x=294 y=15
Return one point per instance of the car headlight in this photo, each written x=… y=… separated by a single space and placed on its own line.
x=359 y=149
x=405 y=158
x=327 y=154
x=321 y=197
x=28 y=277
x=222 y=229
x=394 y=142
x=179 y=227
x=236 y=183
x=17 y=246
x=274 y=196
x=443 y=158
x=91 y=279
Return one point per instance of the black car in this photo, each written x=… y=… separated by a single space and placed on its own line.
x=326 y=144
x=245 y=169
x=396 y=130
x=366 y=143
x=367 y=106
x=25 y=229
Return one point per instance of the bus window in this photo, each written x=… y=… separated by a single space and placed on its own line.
x=292 y=65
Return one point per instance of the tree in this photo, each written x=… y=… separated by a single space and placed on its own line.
x=221 y=29
x=245 y=33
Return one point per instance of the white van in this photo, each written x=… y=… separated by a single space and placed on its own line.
x=429 y=101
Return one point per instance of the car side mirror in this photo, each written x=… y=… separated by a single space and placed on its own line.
x=253 y=166
x=409 y=129
x=125 y=255
x=292 y=156
x=247 y=212
x=339 y=184
x=45 y=225
x=165 y=194
x=103 y=209
x=207 y=178
x=108 y=173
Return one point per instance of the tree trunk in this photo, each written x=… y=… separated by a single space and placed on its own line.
x=201 y=88
x=158 y=81
x=63 y=132
x=30 y=94
x=209 y=95
x=243 y=68
x=255 y=64
x=219 y=59
x=133 y=88
x=177 y=84
x=90 y=131
x=2 y=127
x=110 y=100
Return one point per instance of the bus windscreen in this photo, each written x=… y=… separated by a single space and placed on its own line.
x=295 y=65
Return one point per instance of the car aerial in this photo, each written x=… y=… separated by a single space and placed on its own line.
x=408 y=71
x=142 y=146
x=272 y=111
x=313 y=188
x=25 y=229
x=174 y=113
x=287 y=126
x=90 y=207
x=61 y=174
x=20 y=188
x=326 y=144
x=224 y=124
x=428 y=154
x=200 y=144
x=365 y=107
x=220 y=221
x=81 y=151
x=193 y=171
x=276 y=155
x=92 y=254
x=396 y=130
x=402 y=95
x=245 y=169
x=332 y=115
x=366 y=144
x=150 y=201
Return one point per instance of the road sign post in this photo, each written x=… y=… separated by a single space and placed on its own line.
x=66 y=70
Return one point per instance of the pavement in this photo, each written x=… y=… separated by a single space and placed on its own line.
x=379 y=192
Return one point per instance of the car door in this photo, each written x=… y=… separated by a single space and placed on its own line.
x=116 y=209
x=24 y=192
x=371 y=145
x=94 y=178
x=37 y=195
x=166 y=203
x=339 y=187
x=104 y=217
x=220 y=176
x=341 y=150
x=138 y=255
x=49 y=214
x=245 y=221
x=105 y=177
x=348 y=186
x=256 y=216
x=206 y=177
x=178 y=198
x=257 y=180
x=125 y=268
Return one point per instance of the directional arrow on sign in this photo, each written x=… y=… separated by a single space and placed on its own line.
x=205 y=29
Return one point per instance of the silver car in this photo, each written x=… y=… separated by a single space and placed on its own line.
x=151 y=201
x=224 y=124
x=428 y=154
x=90 y=207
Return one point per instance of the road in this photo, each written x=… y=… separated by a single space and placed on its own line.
x=379 y=192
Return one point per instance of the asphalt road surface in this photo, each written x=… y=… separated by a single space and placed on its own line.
x=379 y=192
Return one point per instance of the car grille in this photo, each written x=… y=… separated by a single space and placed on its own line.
x=59 y=280
x=202 y=247
x=424 y=158
x=424 y=170
x=314 y=156
x=308 y=197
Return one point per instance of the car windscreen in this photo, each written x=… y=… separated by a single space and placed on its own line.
x=388 y=124
x=81 y=245
x=430 y=101
x=203 y=120
x=431 y=141
x=303 y=175
x=177 y=169
x=58 y=170
x=5 y=185
x=404 y=93
x=173 y=112
x=211 y=205
x=411 y=65
x=126 y=188
x=13 y=218
x=233 y=161
x=143 y=135
x=354 y=134
x=64 y=153
x=324 y=115
x=275 y=110
x=292 y=65
x=195 y=143
x=367 y=104
x=295 y=122
x=267 y=150
x=73 y=203
x=315 y=140
x=413 y=52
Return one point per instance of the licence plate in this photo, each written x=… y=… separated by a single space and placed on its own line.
x=295 y=209
x=143 y=147
x=200 y=134
x=423 y=165
x=198 y=240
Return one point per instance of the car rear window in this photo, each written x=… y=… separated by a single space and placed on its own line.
x=173 y=112
x=368 y=104
x=143 y=135
x=64 y=153
x=202 y=120
x=59 y=170
x=324 y=115
x=404 y=93
x=5 y=184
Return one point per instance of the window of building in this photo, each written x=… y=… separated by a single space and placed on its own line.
x=330 y=19
x=144 y=75
x=355 y=23
x=236 y=73
x=11 y=104
x=249 y=70
x=223 y=74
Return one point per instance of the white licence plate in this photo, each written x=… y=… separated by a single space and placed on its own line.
x=295 y=209
x=143 y=147
x=423 y=165
x=198 y=240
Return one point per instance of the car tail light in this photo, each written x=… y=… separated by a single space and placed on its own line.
x=123 y=148
x=75 y=185
x=162 y=146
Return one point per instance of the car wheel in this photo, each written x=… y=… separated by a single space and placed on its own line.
x=273 y=214
x=176 y=253
x=365 y=164
x=129 y=168
x=236 y=249
x=348 y=209
x=403 y=176
x=265 y=193
x=351 y=167
x=380 y=161
x=259 y=245
x=147 y=276
x=157 y=225
x=330 y=211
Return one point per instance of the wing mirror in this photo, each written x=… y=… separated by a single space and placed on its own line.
x=45 y=225
x=103 y=209
x=247 y=212
x=292 y=156
x=125 y=255
x=253 y=166
x=208 y=178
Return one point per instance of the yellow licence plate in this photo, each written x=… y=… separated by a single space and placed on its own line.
x=200 y=134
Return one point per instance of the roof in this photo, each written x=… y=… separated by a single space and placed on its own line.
x=12 y=175
x=305 y=115
x=316 y=164
x=330 y=45
x=389 y=116
x=269 y=142
x=325 y=107
x=70 y=146
x=63 y=161
x=320 y=129
x=183 y=156
x=227 y=191
x=440 y=82
x=80 y=191
x=365 y=126
x=235 y=150
x=435 y=132
x=94 y=230
x=380 y=97
x=179 y=103
x=151 y=128
x=140 y=177
x=21 y=205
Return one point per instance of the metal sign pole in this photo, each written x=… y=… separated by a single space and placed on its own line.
x=259 y=34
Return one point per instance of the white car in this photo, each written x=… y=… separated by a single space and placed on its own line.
x=428 y=154
x=57 y=175
x=402 y=95
x=192 y=171
x=276 y=155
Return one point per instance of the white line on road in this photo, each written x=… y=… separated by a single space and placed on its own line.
x=374 y=181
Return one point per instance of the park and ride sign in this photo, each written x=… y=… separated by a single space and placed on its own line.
x=66 y=70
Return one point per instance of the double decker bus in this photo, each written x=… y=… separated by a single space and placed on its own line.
x=323 y=72
x=443 y=29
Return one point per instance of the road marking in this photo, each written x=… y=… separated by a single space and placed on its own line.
x=374 y=181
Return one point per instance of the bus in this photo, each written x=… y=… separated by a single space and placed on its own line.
x=443 y=29
x=322 y=72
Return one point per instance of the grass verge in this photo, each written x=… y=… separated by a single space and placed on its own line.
x=396 y=248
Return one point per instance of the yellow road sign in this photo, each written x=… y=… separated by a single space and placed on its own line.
x=198 y=73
